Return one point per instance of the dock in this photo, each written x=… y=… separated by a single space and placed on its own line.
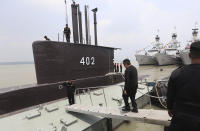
x=150 y=116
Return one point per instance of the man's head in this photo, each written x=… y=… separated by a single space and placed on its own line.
x=66 y=25
x=68 y=81
x=126 y=63
x=195 y=52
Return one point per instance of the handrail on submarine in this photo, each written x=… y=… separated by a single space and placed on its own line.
x=158 y=117
x=148 y=84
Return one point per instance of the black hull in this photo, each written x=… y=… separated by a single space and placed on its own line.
x=27 y=96
x=59 y=61
x=55 y=62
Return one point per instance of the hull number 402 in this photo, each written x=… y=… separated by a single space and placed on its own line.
x=87 y=61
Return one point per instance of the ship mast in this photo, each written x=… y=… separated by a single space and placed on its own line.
x=174 y=35
x=174 y=43
x=195 y=32
x=66 y=14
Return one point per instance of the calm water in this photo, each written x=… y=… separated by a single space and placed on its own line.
x=15 y=75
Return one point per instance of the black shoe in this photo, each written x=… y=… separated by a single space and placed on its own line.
x=126 y=109
x=135 y=110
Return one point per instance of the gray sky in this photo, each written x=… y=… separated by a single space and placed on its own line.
x=127 y=24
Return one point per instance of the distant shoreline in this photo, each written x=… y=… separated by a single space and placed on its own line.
x=16 y=63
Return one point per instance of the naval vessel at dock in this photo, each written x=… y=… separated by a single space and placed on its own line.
x=184 y=54
x=149 y=57
x=170 y=53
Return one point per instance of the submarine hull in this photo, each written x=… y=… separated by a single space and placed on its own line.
x=56 y=62
x=60 y=61
x=20 y=97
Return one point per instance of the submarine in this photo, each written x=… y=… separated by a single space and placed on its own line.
x=85 y=64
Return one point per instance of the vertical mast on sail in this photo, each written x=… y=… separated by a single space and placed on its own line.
x=66 y=14
x=87 y=25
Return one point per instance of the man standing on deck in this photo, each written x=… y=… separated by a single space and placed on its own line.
x=67 y=33
x=70 y=88
x=131 y=85
x=121 y=68
x=117 y=67
x=183 y=96
x=46 y=38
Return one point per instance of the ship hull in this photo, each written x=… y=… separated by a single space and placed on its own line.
x=60 y=61
x=185 y=57
x=20 y=97
x=56 y=62
x=146 y=60
x=164 y=59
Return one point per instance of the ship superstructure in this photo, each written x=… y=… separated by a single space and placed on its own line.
x=184 y=54
x=149 y=57
x=170 y=53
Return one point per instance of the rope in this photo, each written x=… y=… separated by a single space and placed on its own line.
x=143 y=49
x=159 y=96
x=149 y=95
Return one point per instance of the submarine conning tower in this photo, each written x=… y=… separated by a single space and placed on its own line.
x=59 y=61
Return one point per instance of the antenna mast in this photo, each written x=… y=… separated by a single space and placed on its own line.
x=66 y=15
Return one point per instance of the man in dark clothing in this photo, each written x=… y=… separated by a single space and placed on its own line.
x=117 y=67
x=131 y=85
x=70 y=88
x=183 y=96
x=46 y=38
x=67 y=33
x=121 y=68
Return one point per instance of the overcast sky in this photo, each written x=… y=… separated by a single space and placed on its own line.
x=127 y=24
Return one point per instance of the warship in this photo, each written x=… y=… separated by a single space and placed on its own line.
x=170 y=53
x=149 y=57
x=184 y=54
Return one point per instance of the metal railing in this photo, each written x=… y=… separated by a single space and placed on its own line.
x=142 y=82
x=77 y=91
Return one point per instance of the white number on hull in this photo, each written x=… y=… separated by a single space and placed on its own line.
x=87 y=61
x=93 y=60
x=82 y=61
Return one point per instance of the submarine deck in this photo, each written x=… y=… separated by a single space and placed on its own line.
x=53 y=115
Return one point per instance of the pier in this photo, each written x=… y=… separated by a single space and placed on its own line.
x=150 y=116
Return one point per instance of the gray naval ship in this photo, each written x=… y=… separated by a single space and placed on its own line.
x=149 y=57
x=184 y=54
x=170 y=54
